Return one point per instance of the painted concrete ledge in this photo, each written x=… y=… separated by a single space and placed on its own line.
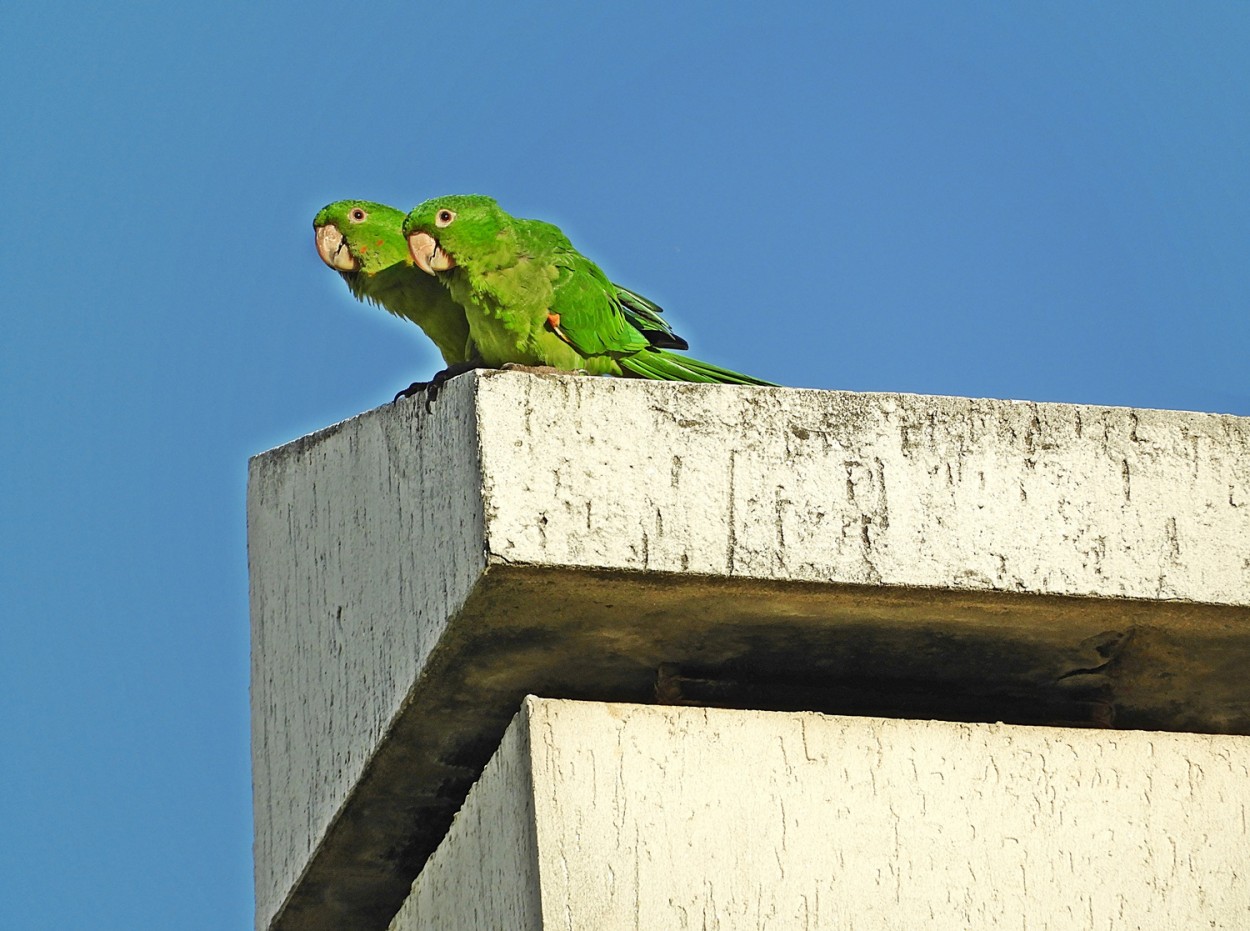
x=415 y=574
x=612 y=816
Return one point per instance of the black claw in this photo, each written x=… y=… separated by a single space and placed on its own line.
x=435 y=384
x=412 y=389
x=431 y=392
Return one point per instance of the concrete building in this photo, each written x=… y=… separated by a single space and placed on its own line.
x=772 y=631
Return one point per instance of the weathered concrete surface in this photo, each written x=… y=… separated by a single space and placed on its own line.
x=489 y=876
x=414 y=575
x=613 y=816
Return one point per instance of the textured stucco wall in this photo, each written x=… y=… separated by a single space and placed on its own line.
x=362 y=540
x=886 y=489
x=414 y=573
x=488 y=877
x=682 y=818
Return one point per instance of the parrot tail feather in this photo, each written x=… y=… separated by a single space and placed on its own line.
x=658 y=365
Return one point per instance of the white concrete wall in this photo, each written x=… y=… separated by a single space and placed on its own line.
x=881 y=489
x=681 y=818
x=362 y=540
x=573 y=533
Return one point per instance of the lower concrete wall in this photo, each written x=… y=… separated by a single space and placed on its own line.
x=610 y=816
x=487 y=868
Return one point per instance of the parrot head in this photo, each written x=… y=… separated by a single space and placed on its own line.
x=359 y=236
x=445 y=231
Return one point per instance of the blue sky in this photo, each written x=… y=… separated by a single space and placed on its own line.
x=1041 y=201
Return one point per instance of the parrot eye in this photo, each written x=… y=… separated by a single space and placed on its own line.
x=358 y=215
x=444 y=218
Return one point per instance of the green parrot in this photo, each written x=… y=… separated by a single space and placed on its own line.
x=363 y=241
x=531 y=299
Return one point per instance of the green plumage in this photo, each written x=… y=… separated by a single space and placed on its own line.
x=363 y=242
x=532 y=299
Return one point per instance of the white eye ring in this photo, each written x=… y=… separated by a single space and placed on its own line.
x=444 y=217
x=356 y=215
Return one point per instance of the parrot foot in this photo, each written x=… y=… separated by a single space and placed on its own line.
x=435 y=384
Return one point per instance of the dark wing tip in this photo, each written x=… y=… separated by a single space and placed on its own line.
x=662 y=339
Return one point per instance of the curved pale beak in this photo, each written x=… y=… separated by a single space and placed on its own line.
x=428 y=254
x=332 y=248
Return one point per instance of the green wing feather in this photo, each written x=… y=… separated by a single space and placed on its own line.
x=642 y=314
x=645 y=315
x=590 y=312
